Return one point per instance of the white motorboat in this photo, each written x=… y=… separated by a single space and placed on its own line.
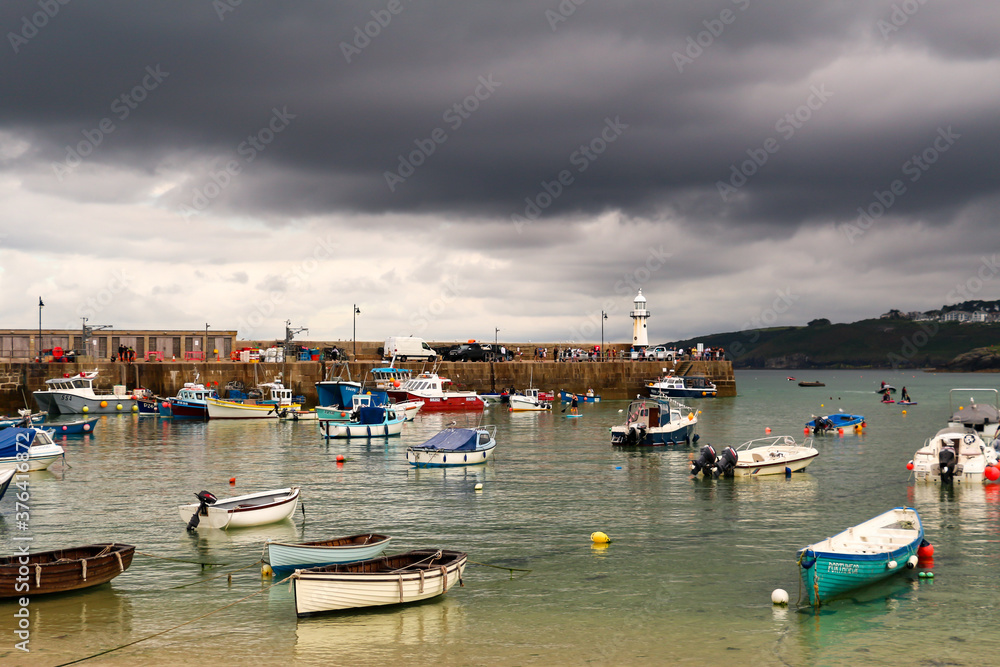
x=42 y=451
x=408 y=577
x=773 y=455
x=253 y=509
x=954 y=454
x=681 y=386
x=454 y=447
x=529 y=401
x=287 y=555
x=75 y=394
x=407 y=409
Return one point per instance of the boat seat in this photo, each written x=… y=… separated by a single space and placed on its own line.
x=757 y=457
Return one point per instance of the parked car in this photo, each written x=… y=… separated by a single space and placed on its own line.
x=472 y=352
x=661 y=353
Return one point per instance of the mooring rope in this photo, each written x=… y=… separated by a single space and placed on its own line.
x=181 y=560
x=501 y=567
x=230 y=573
x=163 y=632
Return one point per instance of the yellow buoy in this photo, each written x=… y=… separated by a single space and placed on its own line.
x=135 y=408
x=266 y=571
x=86 y=409
x=600 y=538
x=904 y=412
x=479 y=486
x=118 y=407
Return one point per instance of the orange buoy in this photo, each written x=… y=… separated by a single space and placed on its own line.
x=232 y=480
x=340 y=458
x=767 y=429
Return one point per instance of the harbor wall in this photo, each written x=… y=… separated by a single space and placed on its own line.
x=610 y=379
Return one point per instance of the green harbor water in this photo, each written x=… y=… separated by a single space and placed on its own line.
x=686 y=580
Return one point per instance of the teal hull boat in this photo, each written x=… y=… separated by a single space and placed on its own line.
x=861 y=555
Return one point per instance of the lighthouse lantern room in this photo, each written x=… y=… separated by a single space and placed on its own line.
x=639 y=316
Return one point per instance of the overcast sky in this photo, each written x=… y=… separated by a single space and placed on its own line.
x=456 y=167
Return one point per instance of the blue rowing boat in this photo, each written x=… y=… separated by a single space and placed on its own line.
x=833 y=423
x=861 y=555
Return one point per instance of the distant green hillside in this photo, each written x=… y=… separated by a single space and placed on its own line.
x=874 y=343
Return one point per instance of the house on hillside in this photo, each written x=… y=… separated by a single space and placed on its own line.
x=957 y=316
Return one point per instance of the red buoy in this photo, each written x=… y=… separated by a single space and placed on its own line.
x=909 y=466
x=232 y=480
x=340 y=458
x=992 y=473
x=926 y=551
x=806 y=430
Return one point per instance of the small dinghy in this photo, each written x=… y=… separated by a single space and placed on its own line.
x=77 y=427
x=861 y=555
x=63 y=570
x=285 y=555
x=773 y=455
x=835 y=423
x=254 y=509
x=407 y=577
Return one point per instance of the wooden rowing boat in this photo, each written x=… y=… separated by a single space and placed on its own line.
x=286 y=555
x=861 y=555
x=63 y=570
x=407 y=577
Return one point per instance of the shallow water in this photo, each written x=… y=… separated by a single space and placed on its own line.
x=687 y=578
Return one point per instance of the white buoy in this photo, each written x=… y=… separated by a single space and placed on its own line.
x=892 y=565
x=779 y=596
x=911 y=562
x=479 y=486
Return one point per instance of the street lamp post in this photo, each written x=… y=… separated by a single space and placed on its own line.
x=205 y=349
x=604 y=316
x=38 y=347
x=354 y=338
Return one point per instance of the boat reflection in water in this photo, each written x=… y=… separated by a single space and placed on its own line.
x=379 y=635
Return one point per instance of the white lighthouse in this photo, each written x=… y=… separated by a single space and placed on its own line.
x=639 y=316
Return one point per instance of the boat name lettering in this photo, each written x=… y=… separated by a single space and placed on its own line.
x=843 y=568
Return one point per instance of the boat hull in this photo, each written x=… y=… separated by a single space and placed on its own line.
x=448 y=459
x=64 y=569
x=335 y=429
x=81 y=427
x=283 y=556
x=220 y=409
x=318 y=591
x=682 y=393
x=40 y=457
x=567 y=397
x=776 y=466
x=70 y=404
x=182 y=409
x=444 y=403
x=657 y=436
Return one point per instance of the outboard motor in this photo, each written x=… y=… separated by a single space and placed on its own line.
x=821 y=424
x=726 y=463
x=204 y=500
x=636 y=434
x=946 y=461
x=705 y=462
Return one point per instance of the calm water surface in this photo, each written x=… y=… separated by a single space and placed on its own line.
x=687 y=579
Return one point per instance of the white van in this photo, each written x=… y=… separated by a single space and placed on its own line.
x=405 y=348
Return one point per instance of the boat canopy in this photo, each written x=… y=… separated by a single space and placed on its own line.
x=15 y=440
x=453 y=439
x=977 y=414
x=371 y=415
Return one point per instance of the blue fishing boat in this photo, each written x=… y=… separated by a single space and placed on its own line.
x=835 y=422
x=336 y=391
x=861 y=555
x=76 y=427
x=589 y=397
